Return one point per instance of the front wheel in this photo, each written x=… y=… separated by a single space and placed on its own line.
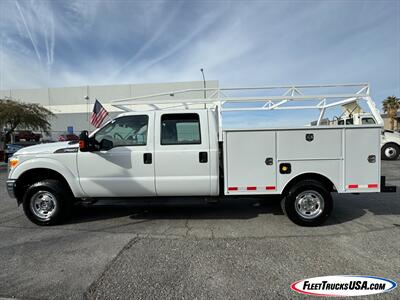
x=47 y=202
x=390 y=151
x=308 y=203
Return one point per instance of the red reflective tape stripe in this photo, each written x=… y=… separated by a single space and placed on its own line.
x=270 y=187
x=251 y=188
x=353 y=186
x=373 y=186
x=232 y=188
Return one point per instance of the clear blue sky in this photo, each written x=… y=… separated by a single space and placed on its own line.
x=64 y=43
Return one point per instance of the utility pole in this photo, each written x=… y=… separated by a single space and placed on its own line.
x=204 y=85
x=87 y=98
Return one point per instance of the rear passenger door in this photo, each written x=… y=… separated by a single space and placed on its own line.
x=182 y=165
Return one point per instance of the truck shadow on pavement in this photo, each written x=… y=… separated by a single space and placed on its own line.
x=352 y=207
x=240 y=210
x=346 y=209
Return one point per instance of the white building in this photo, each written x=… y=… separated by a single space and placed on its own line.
x=72 y=105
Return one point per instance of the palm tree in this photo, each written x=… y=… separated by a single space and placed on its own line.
x=390 y=106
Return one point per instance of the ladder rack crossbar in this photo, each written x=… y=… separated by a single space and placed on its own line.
x=241 y=99
x=290 y=93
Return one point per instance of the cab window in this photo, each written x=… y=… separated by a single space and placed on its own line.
x=180 y=129
x=348 y=122
x=125 y=131
x=368 y=121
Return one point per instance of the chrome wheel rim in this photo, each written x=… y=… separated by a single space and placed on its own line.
x=43 y=205
x=309 y=204
x=390 y=152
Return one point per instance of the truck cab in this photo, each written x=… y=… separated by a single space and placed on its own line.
x=156 y=153
x=361 y=119
x=136 y=155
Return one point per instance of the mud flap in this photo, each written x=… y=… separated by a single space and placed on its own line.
x=387 y=188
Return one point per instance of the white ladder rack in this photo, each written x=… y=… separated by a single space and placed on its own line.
x=323 y=96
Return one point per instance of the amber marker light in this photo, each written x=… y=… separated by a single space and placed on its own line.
x=13 y=162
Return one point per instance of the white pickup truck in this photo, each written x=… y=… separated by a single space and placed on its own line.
x=182 y=152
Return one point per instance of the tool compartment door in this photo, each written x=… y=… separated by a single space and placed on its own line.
x=313 y=143
x=250 y=162
x=362 y=170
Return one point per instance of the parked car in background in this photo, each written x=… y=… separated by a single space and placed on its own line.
x=27 y=135
x=14 y=147
x=68 y=137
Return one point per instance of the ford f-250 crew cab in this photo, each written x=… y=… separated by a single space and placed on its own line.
x=187 y=152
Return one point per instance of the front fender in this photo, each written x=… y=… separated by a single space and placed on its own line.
x=52 y=164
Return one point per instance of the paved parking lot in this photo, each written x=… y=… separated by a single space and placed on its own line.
x=239 y=249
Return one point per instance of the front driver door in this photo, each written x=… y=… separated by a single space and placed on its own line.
x=125 y=170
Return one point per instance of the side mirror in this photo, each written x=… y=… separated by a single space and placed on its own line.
x=84 y=141
x=106 y=144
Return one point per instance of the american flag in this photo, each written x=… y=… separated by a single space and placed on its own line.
x=98 y=114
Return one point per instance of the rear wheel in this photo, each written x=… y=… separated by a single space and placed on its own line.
x=390 y=151
x=308 y=203
x=47 y=202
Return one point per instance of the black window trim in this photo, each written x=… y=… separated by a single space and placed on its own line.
x=140 y=145
x=175 y=144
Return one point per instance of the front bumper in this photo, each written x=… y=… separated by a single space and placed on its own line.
x=11 y=184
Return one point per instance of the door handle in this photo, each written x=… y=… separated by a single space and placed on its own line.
x=203 y=157
x=147 y=158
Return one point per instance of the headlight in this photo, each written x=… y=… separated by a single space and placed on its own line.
x=13 y=162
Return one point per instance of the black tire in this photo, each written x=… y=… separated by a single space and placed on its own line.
x=390 y=151
x=303 y=189
x=55 y=192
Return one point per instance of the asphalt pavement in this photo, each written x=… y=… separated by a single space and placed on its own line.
x=236 y=249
